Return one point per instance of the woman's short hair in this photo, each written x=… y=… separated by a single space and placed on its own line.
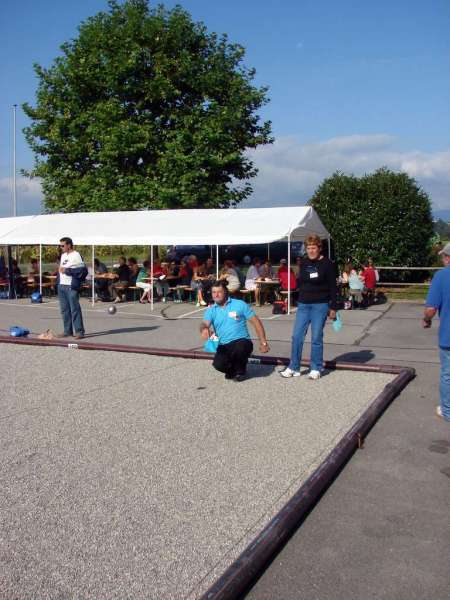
x=313 y=240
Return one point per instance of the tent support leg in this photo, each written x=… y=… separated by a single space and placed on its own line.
x=40 y=269
x=93 y=276
x=217 y=262
x=151 y=277
x=12 y=283
x=289 y=275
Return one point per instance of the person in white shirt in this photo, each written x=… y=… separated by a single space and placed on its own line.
x=68 y=290
x=251 y=279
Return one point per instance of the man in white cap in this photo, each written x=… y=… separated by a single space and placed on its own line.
x=438 y=300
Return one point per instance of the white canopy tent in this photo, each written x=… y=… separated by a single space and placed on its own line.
x=215 y=227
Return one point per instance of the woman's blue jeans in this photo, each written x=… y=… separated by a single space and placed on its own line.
x=316 y=314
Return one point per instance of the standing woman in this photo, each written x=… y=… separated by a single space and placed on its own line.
x=317 y=300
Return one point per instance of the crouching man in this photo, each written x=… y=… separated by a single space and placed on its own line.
x=227 y=318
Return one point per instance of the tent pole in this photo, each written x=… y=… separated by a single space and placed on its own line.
x=12 y=283
x=93 y=277
x=40 y=269
x=329 y=247
x=151 y=276
x=217 y=262
x=289 y=274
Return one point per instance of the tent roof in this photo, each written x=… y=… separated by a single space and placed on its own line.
x=160 y=227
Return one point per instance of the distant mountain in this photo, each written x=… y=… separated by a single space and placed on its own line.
x=442 y=214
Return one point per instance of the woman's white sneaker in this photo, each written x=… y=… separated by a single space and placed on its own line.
x=289 y=373
x=314 y=375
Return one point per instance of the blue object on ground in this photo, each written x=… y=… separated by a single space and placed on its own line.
x=17 y=331
x=337 y=323
x=36 y=298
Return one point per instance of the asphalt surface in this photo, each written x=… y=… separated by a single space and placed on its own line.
x=130 y=476
x=381 y=531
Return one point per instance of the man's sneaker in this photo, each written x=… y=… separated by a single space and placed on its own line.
x=439 y=412
x=289 y=373
x=203 y=303
x=198 y=304
x=239 y=377
x=314 y=374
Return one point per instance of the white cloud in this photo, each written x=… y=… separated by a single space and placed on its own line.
x=290 y=171
x=28 y=196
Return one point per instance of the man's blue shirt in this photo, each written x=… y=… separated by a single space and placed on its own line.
x=230 y=320
x=439 y=297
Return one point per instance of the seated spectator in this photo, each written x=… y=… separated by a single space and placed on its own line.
x=296 y=266
x=369 y=275
x=33 y=270
x=185 y=274
x=284 y=276
x=3 y=269
x=210 y=268
x=266 y=270
x=144 y=273
x=252 y=278
x=198 y=276
x=239 y=273
x=192 y=261
x=134 y=270
x=355 y=284
x=101 y=284
x=173 y=269
x=230 y=275
x=19 y=282
x=160 y=272
x=123 y=276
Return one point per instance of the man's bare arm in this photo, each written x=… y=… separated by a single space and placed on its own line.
x=428 y=314
x=204 y=329
x=259 y=329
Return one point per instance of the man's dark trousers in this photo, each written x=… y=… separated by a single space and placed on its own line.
x=232 y=358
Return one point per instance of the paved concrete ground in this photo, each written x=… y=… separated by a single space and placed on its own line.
x=381 y=531
x=131 y=476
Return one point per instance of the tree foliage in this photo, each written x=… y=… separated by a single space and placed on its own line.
x=442 y=229
x=383 y=215
x=145 y=109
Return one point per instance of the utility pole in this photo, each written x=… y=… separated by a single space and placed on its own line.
x=14 y=163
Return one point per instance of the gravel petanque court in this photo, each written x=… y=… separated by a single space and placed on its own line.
x=134 y=476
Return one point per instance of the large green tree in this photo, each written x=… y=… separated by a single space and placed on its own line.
x=145 y=109
x=383 y=215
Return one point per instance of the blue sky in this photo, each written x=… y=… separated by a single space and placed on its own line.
x=354 y=85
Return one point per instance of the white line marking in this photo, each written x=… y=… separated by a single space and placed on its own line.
x=192 y=312
x=87 y=310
